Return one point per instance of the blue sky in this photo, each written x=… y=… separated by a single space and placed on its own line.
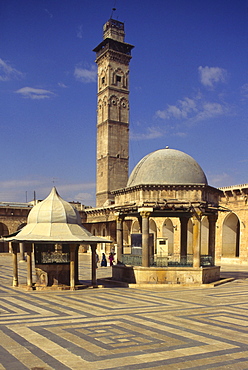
x=188 y=89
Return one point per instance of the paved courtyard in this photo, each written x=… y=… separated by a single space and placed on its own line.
x=122 y=328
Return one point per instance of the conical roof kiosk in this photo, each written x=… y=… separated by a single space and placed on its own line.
x=55 y=230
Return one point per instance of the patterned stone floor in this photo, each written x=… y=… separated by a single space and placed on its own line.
x=121 y=328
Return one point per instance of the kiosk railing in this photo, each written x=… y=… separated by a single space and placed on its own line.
x=172 y=260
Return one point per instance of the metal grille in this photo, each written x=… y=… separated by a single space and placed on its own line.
x=173 y=260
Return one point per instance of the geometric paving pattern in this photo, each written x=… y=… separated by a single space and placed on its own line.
x=121 y=328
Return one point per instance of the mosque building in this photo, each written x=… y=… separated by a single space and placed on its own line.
x=164 y=179
x=164 y=216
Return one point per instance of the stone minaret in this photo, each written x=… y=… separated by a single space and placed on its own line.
x=112 y=57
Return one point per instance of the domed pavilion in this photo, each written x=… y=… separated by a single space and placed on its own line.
x=167 y=184
x=54 y=232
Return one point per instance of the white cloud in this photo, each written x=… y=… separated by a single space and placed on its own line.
x=152 y=133
x=18 y=183
x=85 y=75
x=80 y=32
x=193 y=110
x=209 y=110
x=76 y=187
x=244 y=90
x=18 y=190
x=49 y=13
x=32 y=93
x=61 y=84
x=180 y=134
x=212 y=75
x=219 y=179
x=84 y=197
x=181 y=110
x=8 y=73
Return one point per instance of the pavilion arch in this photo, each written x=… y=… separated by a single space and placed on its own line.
x=168 y=232
x=101 y=246
x=153 y=232
x=104 y=231
x=204 y=235
x=94 y=231
x=231 y=236
x=126 y=233
x=135 y=229
x=190 y=237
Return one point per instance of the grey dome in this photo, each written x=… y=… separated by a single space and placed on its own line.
x=167 y=167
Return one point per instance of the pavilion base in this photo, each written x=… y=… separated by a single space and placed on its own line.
x=165 y=275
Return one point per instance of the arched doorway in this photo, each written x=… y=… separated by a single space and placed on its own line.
x=168 y=232
x=126 y=233
x=230 y=236
x=4 y=247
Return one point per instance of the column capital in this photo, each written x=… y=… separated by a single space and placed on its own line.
x=197 y=215
x=184 y=220
x=212 y=218
x=118 y=218
x=145 y=214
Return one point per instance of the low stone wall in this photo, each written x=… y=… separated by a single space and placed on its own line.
x=52 y=274
x=169 y=275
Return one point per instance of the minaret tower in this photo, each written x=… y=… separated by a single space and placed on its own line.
x=112 y=57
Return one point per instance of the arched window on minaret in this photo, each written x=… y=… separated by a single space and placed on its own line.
x=118 y=78
x=124 y=110
x=114 y=104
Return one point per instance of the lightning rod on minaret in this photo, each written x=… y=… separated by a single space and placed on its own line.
x=113 y=10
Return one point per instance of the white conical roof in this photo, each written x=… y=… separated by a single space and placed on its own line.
x=55 y=220
x=54 y=209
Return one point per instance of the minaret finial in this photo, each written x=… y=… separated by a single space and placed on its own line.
x=113 y=10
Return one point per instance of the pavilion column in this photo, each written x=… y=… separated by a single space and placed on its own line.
x=212 y=219
x=119 y=237
x=15 y=265
x=29 y=266
x=76 y=265
x=72 y=266
x=93 y=265
x=183 y=237
x=145 y=214
x=197 y=239
x=21 y=246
